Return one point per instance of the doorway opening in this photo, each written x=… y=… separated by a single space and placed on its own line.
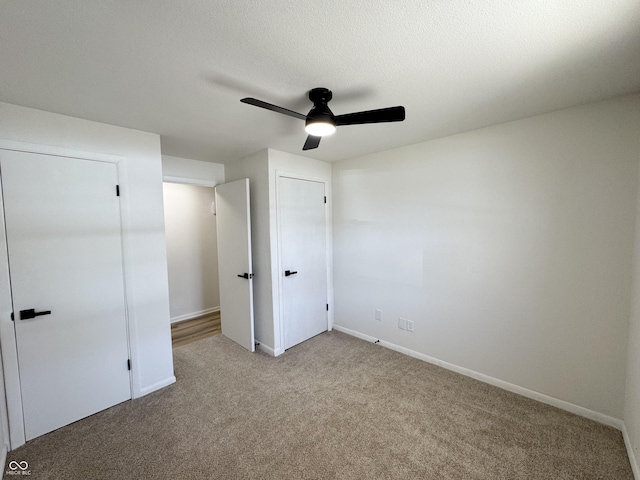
x=192 y=261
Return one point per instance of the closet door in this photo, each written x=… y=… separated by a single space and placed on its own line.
x=303 y=250
x=65 y=255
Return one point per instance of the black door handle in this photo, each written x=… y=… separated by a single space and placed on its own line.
x=31 y=313
x=288 y=273
x=246 y=275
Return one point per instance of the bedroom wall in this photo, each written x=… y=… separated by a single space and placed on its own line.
x=143 y=226
x=508 y=247
x=187 y=170
x=256 y=168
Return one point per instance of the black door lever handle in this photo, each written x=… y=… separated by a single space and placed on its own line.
x=31 y=313
x=288 y=273
x=246 y=275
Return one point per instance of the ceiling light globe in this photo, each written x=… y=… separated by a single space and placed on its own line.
x=320 y=129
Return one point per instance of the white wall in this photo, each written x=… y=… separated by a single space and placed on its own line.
x=632 y=393
x=509 y=247
x=256 y=169
x=261 y=169
x=192 y=256
x=143 y=227
x=185 y=170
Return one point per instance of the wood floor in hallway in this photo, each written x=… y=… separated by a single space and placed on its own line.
x=197 y=328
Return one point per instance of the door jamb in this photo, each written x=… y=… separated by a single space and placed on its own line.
x=189 y=181
x=328 y=246
x=11 y=412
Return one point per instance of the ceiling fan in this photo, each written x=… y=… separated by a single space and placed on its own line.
x=321 y=121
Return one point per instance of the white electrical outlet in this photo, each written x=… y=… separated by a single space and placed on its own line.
x=378 y=314
x=402 y=323
x=409 y=325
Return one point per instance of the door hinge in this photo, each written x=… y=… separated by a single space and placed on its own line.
x=129 y=364
x=325 y=199
x=327 y=307
x=117 y=190
x=12 y=319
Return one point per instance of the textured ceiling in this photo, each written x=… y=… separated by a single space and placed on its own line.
x=179 y=69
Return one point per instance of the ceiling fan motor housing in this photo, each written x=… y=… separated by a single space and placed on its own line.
x=320 y=113
x=320 y=95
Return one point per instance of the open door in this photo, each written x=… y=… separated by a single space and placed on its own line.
x=234 y=262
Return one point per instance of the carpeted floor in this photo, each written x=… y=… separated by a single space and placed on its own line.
x=332 y=407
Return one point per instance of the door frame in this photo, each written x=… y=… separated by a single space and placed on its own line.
x=328 y=246
x=10 y=390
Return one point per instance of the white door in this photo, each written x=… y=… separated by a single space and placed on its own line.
x=64 y=241
x=301 y=212
x=234 y=262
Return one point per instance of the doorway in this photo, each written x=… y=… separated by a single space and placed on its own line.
x=192 y=261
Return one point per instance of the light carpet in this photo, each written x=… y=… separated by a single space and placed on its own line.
x=333 y=407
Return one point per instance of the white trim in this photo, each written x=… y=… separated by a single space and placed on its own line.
x=266 y=349
x=4 y=413
x=3 y=456
x=57 y=151
x=525 y=392
x=157 y=386
x=353 y=333
x=631 y=453
x=188 y=316
x=12 y=398
x=189 y=181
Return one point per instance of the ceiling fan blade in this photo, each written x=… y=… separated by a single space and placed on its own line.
x=259 y=103
x=391 y=114
x=312 y=142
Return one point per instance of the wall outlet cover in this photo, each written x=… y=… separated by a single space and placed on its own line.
x=378 y=314
x=409 y=325
x=402 y=323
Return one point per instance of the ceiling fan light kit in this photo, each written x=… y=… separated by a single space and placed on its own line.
x=321 y=121
x=320 y=129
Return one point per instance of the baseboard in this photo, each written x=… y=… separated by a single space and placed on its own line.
x=188 y=316
x=266 y=349
x=631 y=453
x=525 y=392
x=157 y=386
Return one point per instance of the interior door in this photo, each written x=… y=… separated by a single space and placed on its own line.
x=301 y=212
x=234 y=262
x=64 y=242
